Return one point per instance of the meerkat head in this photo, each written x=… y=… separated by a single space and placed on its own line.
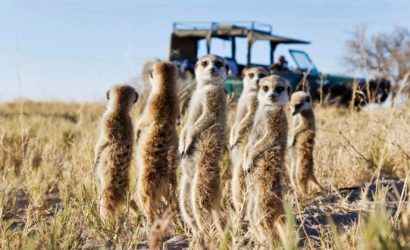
x=147 y=68
x=211 y=69
x=273 y=90
x=163 y=75
x=121 y=97
x=252 y=78
x=300 y=101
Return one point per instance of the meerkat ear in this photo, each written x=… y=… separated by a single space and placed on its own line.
x=108 y=95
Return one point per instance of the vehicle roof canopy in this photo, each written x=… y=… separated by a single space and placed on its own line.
x=185 y=36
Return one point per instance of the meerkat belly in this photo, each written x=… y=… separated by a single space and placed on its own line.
x=304 y=143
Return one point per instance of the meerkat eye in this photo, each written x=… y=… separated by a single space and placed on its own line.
x=251 y=75
x=151 y=74
x=204 y=63
x=218 y=64
x=108 y=95
x=265 y=88
x=307 y=99
x=279 y=89
x=298 y=106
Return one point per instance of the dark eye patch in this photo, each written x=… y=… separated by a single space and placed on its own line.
x=251 y=75
x=151 y=74
x=204 y=63
x=136 y=97
x=262 y=75
x=218 y=64
x=298 y=106
x=307 y=99
x=279 y=89
x=265 y=88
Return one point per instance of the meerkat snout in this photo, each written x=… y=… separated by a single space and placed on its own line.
x=299 y=102
x=273 y=89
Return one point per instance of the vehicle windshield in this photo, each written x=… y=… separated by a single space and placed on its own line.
x=303 y=61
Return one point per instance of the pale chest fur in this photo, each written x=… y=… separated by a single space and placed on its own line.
x=246 y=101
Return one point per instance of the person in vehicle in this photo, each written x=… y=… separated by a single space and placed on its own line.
x=281 y=65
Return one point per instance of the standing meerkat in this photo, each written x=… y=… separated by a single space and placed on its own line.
x=157 y=144
x=246 y=108
x=201 y=143
x=302 y=142
x=264 y=158
x=113 y=152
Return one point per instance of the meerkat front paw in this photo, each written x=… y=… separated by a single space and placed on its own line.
x=231 y=140
x=233 y=145
x=247 y=166
x=188 y=147
x=181 y=148
x=137 y=135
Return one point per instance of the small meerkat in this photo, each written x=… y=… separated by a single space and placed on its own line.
x=157 y=144
x=113 y=152
x=246 y=108
x=201 y=143
x=302 y=142
x=264 y=159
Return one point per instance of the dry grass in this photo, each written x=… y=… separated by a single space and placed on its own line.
x=48 y=192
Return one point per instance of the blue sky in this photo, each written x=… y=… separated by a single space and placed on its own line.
x=75 y=50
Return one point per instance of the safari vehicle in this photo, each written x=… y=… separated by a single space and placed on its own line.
x=187 y=38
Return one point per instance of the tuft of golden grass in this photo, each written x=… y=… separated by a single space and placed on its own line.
x=48 y=191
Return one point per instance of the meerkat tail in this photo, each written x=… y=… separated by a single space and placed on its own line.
x=292 y=176
x=316 y=183
x=108 y=207
x=185 y=191
x=160 y=230
x=238 y=187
